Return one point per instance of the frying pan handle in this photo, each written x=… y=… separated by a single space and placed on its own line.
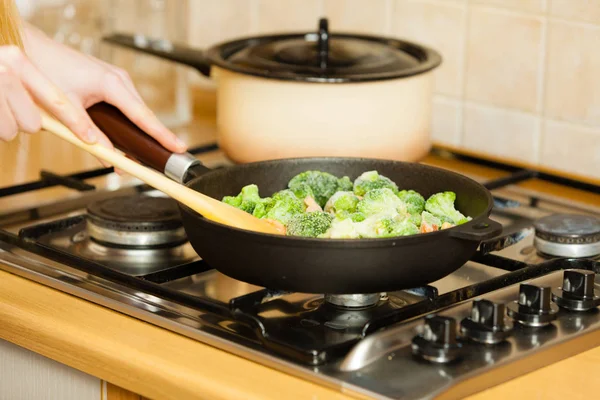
x=477 y=231
x=164 y=49
x=129 y=138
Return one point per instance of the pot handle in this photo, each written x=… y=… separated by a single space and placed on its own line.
x=164 y=49
x=478 y=231
x=130 y=139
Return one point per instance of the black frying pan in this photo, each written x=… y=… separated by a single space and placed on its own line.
x=315 y=265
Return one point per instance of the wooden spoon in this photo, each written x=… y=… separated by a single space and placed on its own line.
x=207 y=206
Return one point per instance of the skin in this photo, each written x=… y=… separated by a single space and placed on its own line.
x=66 y=83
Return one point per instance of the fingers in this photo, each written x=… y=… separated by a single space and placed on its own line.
x=100 y=137
x=119 y=94
x=46 y=93
x=18 y=112
x=8 y=124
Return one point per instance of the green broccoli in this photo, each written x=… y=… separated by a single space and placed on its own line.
x=342 y=229
x=430 y=222
x=442 y=206
x=246 y=200
x=283 y=206
x=380 y=200
x=415 y=203
x=264 y=205
x=302 y=191
x=404 y=227
x=342 y=201
x=372 y=180
x=313 y=224
x=345 y=184
x=322 y=184
x=385 y=225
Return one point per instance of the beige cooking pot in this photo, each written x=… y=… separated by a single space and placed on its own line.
x=314 y=94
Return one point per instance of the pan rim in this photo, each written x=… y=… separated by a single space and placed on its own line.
x=367 y=242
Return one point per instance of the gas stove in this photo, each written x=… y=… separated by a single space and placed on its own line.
x=528 y=296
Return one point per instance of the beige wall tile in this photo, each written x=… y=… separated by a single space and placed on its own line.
x=503 y=59
x=288 y=15
x=524 y=5
x=440 y=25
x=584 y=10
x=446 y=121
x=212 y=21
x=500 y=132
x=572 y=77
x=571 y=148
x=359 y=16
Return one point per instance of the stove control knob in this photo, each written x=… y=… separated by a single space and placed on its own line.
x=534 y=307
x=577 y=292
x=487 y=323
x=438 y=342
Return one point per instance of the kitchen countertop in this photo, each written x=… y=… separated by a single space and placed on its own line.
x=160 y=364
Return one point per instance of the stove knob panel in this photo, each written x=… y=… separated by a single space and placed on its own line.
x=577 y=292
x=534 y=307
x=487 y=323
x=438 y=342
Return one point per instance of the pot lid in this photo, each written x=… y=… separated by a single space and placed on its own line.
x=324 y=57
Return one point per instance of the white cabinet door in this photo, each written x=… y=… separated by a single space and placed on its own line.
x=25 y=375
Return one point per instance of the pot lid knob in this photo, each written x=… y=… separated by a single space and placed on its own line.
x=323 y=42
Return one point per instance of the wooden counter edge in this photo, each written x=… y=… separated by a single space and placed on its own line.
x=135 y=355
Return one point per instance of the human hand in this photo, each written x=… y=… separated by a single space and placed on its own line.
x=66 y=83
x=21 y=83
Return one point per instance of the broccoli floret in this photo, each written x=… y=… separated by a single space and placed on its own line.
x=345 y=184
x=372 y=180
x=342 y=201
x=322 y=184
x=442 y=206
x=312 y=224
x=246 y=200
x=264 y=205
x=415 y=203
x=403 y=228
x=303 y=191
x=342 y=229
x=430 y=222
x=283 y=206
x=380 y=200
x=385 y=225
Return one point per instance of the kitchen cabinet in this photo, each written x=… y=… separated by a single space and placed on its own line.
x=25 y=375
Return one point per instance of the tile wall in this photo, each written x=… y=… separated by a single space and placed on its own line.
x=520 y=79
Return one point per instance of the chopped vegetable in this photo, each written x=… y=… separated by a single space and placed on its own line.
x=381 y=200
x=442 y=206
x=342 y=201
x=311 y=224
x=284 y=206
x=415 y=203
x=319 y=205
x=323 y=184
x=372 y=180
x=246 y=200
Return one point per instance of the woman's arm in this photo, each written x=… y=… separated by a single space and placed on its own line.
x=87 y=80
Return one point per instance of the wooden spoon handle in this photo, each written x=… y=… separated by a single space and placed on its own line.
x=207 y=206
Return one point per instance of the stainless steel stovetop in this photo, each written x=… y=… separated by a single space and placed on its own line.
x=476 y=327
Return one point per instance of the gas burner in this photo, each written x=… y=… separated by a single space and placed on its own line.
x=353 y=300
x=568 y=235
x=138 y=221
